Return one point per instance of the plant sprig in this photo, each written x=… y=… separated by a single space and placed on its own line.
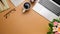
x=51 y=25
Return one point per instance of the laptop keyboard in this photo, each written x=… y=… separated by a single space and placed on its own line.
x=58 y=2
x=58 y=14
x=50 y=6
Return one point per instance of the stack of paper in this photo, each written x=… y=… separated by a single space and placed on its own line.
x=3 y=5
x=17 y=2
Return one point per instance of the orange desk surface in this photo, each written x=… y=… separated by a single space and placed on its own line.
x=19 y=23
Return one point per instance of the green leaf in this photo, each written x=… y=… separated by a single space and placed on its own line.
x=57 y=20
x=49 y=32
x=50 y=29
x=51 y=25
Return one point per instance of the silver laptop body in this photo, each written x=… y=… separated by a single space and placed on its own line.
x=49 y=9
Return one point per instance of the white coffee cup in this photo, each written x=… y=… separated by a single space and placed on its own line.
x=26 y=6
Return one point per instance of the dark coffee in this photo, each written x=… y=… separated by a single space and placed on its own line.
x=27 y=5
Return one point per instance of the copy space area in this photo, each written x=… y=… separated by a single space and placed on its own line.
x=19 y=23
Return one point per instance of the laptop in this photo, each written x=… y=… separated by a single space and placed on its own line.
x=50 y=9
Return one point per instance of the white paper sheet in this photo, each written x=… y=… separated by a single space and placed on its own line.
x=3 y=6
x=44 y=12
x=17 y=2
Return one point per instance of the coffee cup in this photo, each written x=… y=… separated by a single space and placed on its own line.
x=32 y=1
x=26 y=6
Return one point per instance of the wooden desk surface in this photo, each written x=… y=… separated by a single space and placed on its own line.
x=19 y=23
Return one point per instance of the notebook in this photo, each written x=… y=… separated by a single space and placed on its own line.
x=17 y=2
x=3 y=5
